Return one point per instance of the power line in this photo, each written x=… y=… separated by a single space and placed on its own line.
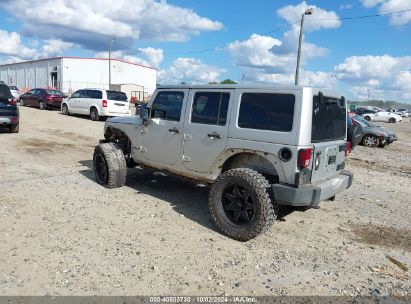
x=236 y=42
x=286 y=26
x=362 y=17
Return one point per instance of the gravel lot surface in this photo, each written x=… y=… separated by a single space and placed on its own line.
x=63 y=234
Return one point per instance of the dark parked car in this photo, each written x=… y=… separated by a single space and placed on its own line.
x=9 y=112
x=42 y=98
x=373 y=135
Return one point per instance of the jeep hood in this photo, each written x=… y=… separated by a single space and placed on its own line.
x=126 y=120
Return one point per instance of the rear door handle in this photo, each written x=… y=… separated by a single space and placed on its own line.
x=174 y=130
x=214 y=135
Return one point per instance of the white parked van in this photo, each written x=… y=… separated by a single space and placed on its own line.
x=97 y=103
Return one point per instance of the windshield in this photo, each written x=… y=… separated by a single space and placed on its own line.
x=362 y=121
x=54 y=92
x=117 y=96
x=13 y=88
x=329 y=119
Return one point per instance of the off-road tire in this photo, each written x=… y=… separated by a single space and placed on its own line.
x=392 y=120
x=64 y=110
x=115 y=165
x=370 y=141
x=266 y=209
x=94 y=114
x=15 y=128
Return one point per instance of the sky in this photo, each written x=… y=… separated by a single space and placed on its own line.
x=201 y=41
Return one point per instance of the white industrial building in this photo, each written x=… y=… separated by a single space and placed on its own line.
x=69 y=74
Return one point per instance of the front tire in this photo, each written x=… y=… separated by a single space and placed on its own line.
x=94 y=114
x=370 y=141
x=240 y=204
x=64 y=110
x=367 y=118
x=21 y=102
x=392 y=120
x=109 y=165
x=42 y=105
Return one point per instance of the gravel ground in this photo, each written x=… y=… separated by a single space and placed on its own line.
x=63 y=234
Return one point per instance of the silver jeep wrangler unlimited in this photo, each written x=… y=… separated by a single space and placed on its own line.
x=258 y=147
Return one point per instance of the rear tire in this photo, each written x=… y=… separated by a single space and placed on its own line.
x=392 y=120
x=109 y=165
x=370 y=141
x=367 y=118
x=15 y=128
x=241 y=204
x=94 y=114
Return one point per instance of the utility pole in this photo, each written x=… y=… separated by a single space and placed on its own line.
x=109 y=61
x=300 y=41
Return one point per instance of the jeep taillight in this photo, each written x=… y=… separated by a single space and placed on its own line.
x=348 y=149
x=104 y=103
x=304 y=158
x=12 y=101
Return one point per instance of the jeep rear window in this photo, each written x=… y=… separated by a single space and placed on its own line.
x=267 y=111
x=329 y=119
x=117 y=96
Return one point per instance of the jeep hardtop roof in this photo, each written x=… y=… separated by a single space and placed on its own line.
x=232 y=86
x=326 y=92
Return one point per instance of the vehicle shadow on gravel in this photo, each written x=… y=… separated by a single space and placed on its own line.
x=187 y=198
x=84 y=117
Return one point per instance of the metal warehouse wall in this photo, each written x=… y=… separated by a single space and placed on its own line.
x=72 y=74
x=29 y=75
x=79 y=73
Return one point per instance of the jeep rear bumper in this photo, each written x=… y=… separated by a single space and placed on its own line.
x=312 y=195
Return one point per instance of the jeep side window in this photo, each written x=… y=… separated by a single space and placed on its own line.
x=210 y=108
x=167 y=105
x=267 y=111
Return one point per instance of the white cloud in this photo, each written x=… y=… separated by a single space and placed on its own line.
x=320 y=19
x=10 y=59
x=267 y=59
x=12 y=45
x=91 y=23
x=189 y=70
x=322 y=80
x=14 y=50
x=154 y=56
x=151 y=56
x=371 y=3
x=54 y=47
x=387 y=6
x=366 y=68
x=386 y=76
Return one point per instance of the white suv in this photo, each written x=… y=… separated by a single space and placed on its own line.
x=97 y=103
